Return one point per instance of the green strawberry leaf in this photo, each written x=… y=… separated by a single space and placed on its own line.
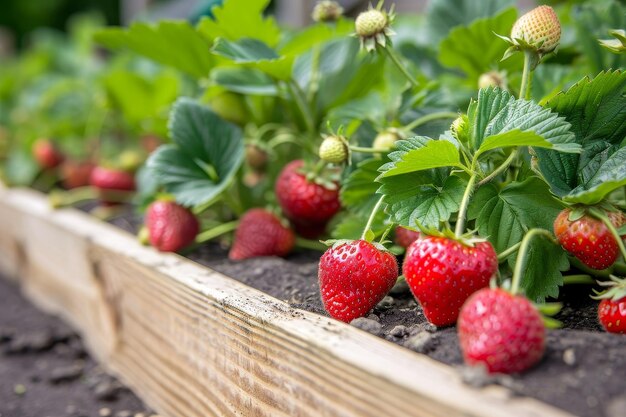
x=610 y=176
x=172 y=43
x=244 y=81
x=545 y=260
x=254 y=53
x=499 y=120
x=596 y=110
x=458 y=50
x=237 y=19
x=412 y=203
x=443 y=15
x=143 y=99
x=504 y=215
x=205 y=156
x=420 y=153
x=358 y=192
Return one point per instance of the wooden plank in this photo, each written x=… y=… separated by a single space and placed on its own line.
x=192 y=342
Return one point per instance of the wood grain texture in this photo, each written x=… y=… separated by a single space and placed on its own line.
x=194 y=343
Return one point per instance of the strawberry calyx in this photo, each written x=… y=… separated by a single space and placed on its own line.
x=615 y=289
x=468 y=239
x=321 y=174
x=335 y=243
x=372 y=26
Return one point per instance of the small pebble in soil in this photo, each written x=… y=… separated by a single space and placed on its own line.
x=421 y=342
x=569 y=357
x=104 y=412
x=106 y=390
x=19 y=389
x=374 y=317
x=475 y=376
x=66 y=373
x=616 y=407
x=39 y=341
x=399 y=331
x=367 y=325
x=124 y=413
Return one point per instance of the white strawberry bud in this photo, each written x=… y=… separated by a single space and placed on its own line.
x=334 y=149
x=492 y=79
x=371 y=22
x=386 y=140
x=327 y=11
x=539 y=29
x=372 y=27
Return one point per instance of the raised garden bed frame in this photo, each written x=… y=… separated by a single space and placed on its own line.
x=192 y=342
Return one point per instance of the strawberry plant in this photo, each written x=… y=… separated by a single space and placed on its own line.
x=489 y=146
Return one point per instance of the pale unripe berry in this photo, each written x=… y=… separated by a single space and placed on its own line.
x=334 y=149
x=539 y=28
x=371 y=23
x=460 y=128
x=327 y=11
x=491 y=79
x=385 y=141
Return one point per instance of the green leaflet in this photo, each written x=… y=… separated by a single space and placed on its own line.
x=420 y=153
x=499 y=120
x=205 y=155
x=172 y=43
x=458 y=50
x=597 y=111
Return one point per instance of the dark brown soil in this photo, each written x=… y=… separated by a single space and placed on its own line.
x=46 y=372
x=583 y=371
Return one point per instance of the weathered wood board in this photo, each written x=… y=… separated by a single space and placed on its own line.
x=194 y=343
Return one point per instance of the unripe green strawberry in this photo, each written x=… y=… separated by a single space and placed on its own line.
x=460 y=128
x=327 y=11
x=256 y=157
x=334 y=149
x=539 y=28
x=385 y=140
x=371 y=22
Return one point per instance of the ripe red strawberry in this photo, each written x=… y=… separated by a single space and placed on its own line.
x=354 y=277
x=46 y=154
x=588 y=239
x=442 y=273
x=612 y=308
x=404 y=236
x=170 y=226
x=108 y=181
x=502 y=331
x=261 y=233
x=612 y=315
x=76 y=174
x=307 y=204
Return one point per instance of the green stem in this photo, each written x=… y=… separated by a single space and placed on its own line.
x=391 y=54
x=216 y=231
x=578 y=279
x=523 y=251
x=527 y=75
x=607 y=222
x=429 y=118
x=508 y=252
x=364 y=150
x=298 y=97
x=310 y=244
x=503 y=167
x=370 y=221
x=319 y=166
x=460 y=222
x=619 y=268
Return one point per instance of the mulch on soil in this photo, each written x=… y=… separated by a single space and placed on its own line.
x=45 y=370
